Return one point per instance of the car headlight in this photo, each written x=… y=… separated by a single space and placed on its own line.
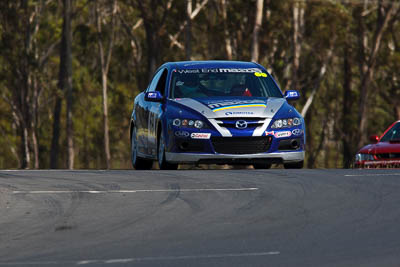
x=176 y=122
x=362 y=157
x=285 y=123
x=188 y=123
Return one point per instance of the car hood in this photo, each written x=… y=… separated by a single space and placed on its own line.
x=233 y=106
x=381 y=148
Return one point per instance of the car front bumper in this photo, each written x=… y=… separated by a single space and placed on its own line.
x=281 y=157
x=377 y=164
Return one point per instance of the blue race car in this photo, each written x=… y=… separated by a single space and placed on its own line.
x=215 y=112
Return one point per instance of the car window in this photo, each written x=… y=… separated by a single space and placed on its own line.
x=154 y=81
x=392 y=134
x=199 y=84
x=162 y=82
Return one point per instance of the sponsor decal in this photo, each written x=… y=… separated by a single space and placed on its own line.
x=179 y=83
x=269 y=133
x=249 y=70
x=182 y=134
x=260 y=74
x=293 y=94
x=297 y=131
x=283 y=134
x=209 y=70
x=240 y=106
x=216 y=106
x=223 y=70
x=200 y=135
x=229 y=113
x=189 y=71
x=241 y=124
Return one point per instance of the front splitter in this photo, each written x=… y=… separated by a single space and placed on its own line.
x=285 y=157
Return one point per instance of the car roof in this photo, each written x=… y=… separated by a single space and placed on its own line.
x=208 y=64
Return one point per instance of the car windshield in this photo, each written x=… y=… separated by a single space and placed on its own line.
x=392 y=134
x=222 y=84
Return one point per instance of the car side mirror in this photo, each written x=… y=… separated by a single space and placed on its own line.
x=374 y=139
x=155 y=96
x=291 y=95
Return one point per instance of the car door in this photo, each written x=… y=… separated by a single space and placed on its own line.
x=155 y=109
x=141 y=120
x=148 y=121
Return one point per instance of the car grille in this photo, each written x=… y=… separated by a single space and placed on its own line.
x=241 y=145
x=252 y=122
x=388 y=156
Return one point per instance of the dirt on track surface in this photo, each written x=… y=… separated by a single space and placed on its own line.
x=200 y=218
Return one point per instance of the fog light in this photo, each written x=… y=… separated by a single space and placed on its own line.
x=296 y=121
x=198 y=124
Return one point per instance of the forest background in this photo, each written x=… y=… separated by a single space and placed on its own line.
x=70 y=69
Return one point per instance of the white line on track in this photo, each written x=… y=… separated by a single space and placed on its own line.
x=134 y=191
x=58 y=170
x=373 y=174
x=129 y=260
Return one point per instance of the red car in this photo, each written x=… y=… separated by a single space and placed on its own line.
x=384 y=152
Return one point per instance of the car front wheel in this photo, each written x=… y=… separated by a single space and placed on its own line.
x=162 y=162
x=137 y=162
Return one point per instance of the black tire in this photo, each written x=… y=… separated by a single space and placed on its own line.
x=262 y=165
x=162 y=162
x=294 y=165
x=138 y=163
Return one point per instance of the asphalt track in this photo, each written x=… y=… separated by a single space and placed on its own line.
x=200 y=218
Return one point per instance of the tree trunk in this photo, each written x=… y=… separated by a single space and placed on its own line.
x=227 y=37
x=22 y=95
x=26 y=159
x=35 y=145
x=256 y=31
x=85 y=146
x=34 y=107
x=347 y=135
x=298 y=24
x=55 y=147
x=105 y=121
x=313 y=155
x=24 y=122
x=327 y=154
x=188 y=39
x=105 y=64
x=153 y=48
x=65 y=78
x=397 y=112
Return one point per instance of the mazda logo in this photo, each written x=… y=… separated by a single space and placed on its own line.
x=241 y=124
